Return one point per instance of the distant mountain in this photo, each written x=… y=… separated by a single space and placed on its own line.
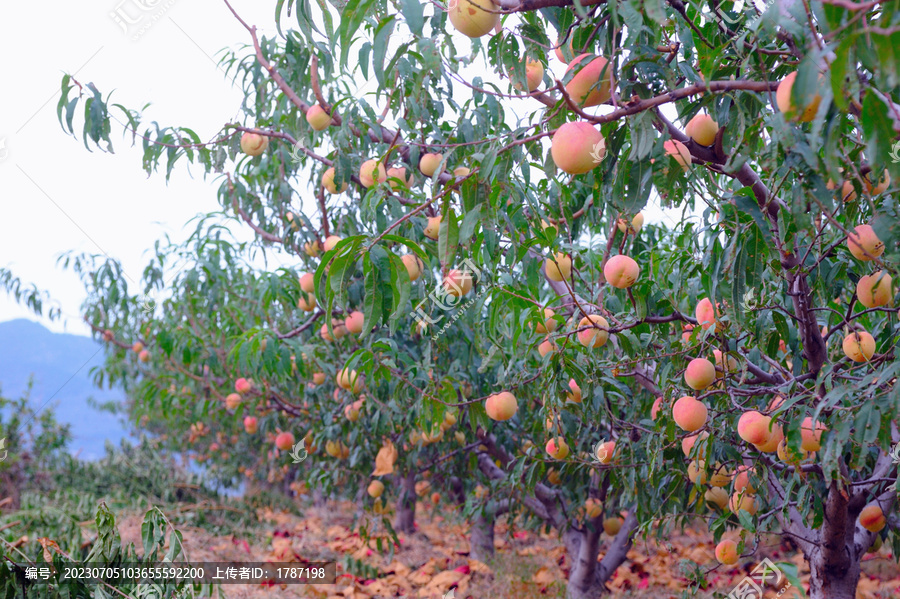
x=61 y=365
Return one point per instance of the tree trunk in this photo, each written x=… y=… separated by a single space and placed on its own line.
x=405 y=521
x=826 y=582
x=481 y=536
x=587 y=577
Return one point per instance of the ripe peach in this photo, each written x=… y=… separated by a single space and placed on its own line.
x=339 y=328
x=534 y=74
x=435 y=498
x=355 y=322
x=679 y=152
x=742 y=501
x=636 y=223
x=882 y=186
x=376 y=488
x=574 y=393
x=242 y=385
x=371 y=172
x=306 y=302
x=317 y=118
x=700 y=373
x=549 y=325
x=726 y=552
x=742 y=479
x=621 y=271
x=558 y=50
x=433 y=227
x=250 y=424
x=872 y=518
x=557 y=448
x=559 y=267
x=697 y=470
x=875 y=290
x=284 y=441
x=400 y=175
x=351 y=412
x=138 y=347
x=771 y=444
x=724 y=363
x=553 y=476
x=144 y=356
x=717 y=496
x=612 y=526
x=864 y=244
x=689 y=413
x=705 y=314
x=598 y=332
x=349 y=380
x=501 y=406
x=702 y=129
x=308 y=282
x=470 y=18
x=753 y=427
x=429 y=163
x=324 y=334
x=655 y=409
x=789 y=456
x=331 y=241
x=232 y=401
x=312 y=249
x=577 y=147
x=592 y=81
x=458 y=283
x=329 y=184
x=605 y=451
x=593 y=508
x=687 y=444
x=318 y=378
x=859 y=346
x=254 y=144
x=786 y=104
x=720 y=476
x=546 y=346
x=811 y=434
x=413 y=265
x=848 y=192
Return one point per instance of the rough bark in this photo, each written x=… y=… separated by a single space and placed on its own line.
x=481 y=536
x=405 y=520
x=587 y=578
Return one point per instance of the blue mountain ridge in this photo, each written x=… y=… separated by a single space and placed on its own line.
x=60 y=364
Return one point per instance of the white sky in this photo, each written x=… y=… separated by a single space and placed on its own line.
x=57 y=196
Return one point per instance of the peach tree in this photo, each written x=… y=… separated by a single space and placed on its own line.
x=470 y=307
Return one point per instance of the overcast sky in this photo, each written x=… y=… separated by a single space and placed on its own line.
x=57 y=196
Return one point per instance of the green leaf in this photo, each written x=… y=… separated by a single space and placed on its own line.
x=414 y=14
